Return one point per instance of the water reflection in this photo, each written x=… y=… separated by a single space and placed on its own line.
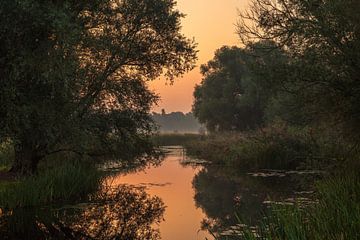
x=226 y=197
x=122 y=213
x=199 y=199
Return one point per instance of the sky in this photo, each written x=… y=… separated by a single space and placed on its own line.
x=212 y=24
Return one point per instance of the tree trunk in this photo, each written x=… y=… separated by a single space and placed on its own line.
x=26 y=160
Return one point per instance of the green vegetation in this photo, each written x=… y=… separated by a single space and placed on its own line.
x=61 y=184
x=6 y=155
x=123 y=213
x=175 y=139
x=73 y=74
x=300 y=68
x=277 y=146
x=73 y=85
x=335 y=216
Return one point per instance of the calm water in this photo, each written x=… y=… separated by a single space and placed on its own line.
x=172 y=201
x=204 y=198
x=172 y=182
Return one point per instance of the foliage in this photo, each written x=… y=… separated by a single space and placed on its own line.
x=277 y=146
x=335 y=216
x=6 y=155
x=322 y=40
x=217 y=96
x=76 y=70
x=122 y=213
x=237 y=86
x=64 y=183
x=215 y=147
x=174 y=139
x=272 y=148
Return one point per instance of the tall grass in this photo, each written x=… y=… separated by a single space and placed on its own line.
x=273 y=147
x=6 y=155
x=336 y=215
x=66 y=182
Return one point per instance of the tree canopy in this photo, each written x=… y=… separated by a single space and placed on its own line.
x=237 y=86
x=300 y=63
x=72 y=74
x=322 y=40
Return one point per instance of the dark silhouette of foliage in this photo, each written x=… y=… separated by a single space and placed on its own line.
x=124 y=213
x=72 y=74
x=237 y=86
x=322 y=40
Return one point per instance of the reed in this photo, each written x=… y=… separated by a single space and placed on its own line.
x=67 y=182
x=335 y=216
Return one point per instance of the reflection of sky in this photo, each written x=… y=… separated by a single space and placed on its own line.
x=212 y=24
x=173 y=184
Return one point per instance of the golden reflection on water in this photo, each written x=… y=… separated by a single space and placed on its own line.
x=172 y=183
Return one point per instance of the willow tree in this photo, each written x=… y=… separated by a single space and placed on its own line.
x=73 y=74
x=322 y=38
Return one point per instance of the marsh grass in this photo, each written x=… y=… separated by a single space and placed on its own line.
x=336 y=215
x=273 y=147
x=6 y=155
x=64 y=183
x=269 y=148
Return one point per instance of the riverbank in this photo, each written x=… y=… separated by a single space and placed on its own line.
x=335 y=215
x=336 y=212
x=70 y=199
x=274 y=147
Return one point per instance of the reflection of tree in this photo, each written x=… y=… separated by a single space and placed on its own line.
x=221 y=195
x=124 y=213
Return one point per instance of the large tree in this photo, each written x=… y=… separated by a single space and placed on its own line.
x=216 y=98
x=73 y=74
x=237 y=86
x=323 y=39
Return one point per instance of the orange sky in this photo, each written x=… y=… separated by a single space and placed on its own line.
x=212 y=24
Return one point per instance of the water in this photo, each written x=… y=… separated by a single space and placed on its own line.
x=203 y=198
x=172 y=182
x=179 y=199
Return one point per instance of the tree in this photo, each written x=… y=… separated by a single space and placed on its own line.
x=73 y=74
x=322 y=40
x=237 y=86
x=216 y=96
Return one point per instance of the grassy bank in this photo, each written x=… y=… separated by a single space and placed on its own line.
x=63 y=183
x=273 y=147
x=335 y=215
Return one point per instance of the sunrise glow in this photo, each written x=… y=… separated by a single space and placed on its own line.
x=212 y=24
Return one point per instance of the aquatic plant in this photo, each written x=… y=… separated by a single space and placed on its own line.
x=335 y=216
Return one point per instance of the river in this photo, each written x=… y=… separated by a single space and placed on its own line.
x=200 y=199
x=180 y=199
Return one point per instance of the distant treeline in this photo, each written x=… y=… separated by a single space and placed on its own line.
x=177 y=122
